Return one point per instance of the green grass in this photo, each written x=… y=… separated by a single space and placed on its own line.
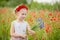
x=7 y=17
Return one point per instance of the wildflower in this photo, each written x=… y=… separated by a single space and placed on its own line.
x=40 y=21
x=2 y=20
x=3 y=10
x=30 y=20
x=33 y=14
x=47 y=27
x=54 y=18
x=50 y=14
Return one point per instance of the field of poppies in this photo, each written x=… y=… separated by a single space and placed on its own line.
x=44 y=20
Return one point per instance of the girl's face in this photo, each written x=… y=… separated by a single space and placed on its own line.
x=21 y=14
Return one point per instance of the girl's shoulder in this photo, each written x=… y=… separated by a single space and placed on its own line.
x=26 y=22
x=13 y=22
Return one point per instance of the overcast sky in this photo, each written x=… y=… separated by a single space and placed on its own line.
x=47 y=1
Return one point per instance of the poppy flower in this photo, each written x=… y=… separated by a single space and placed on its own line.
x=3 y=10
x=41 y=11
x=33 y=14
x=51 y=19
x=54 y=18
x=58 y=14
x=30 y=20
x=50 y=14
x=56 y=11
x=43 y=38
x=47 y=27
x=41 y=14
x=2 y=20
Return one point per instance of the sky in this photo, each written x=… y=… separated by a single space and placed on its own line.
x=46 y=1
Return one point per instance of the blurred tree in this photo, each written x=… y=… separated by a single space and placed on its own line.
x=11 y=3
x=29 y=1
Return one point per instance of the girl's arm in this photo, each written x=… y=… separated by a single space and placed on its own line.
x=12 y=33
x=29 y=30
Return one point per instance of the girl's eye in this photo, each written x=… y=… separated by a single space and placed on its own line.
x=23 y=14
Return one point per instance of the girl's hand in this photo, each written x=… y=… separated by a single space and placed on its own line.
x=32 y=32
x=24 y=36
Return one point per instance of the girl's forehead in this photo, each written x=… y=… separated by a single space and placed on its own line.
x=24 y=10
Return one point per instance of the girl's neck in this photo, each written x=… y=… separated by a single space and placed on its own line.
x=19 y=20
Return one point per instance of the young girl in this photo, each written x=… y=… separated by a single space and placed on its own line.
x=19 y=26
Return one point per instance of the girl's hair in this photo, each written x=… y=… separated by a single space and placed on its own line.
x=19 y=7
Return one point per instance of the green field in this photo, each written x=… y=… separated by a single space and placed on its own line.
x=50 y=15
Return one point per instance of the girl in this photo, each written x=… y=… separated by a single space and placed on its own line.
x=19 y=26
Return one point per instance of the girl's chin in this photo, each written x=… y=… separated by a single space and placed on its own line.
x=21 y=18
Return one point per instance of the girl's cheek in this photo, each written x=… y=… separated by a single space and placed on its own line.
x=24 y=16
x=19 y=16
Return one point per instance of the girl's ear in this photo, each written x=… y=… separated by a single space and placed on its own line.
x=16 y=14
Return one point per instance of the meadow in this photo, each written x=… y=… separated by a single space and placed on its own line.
x=46 y=14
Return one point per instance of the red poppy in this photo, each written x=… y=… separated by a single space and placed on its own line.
x=3 y=10
x=30 y=20
x=51 y=19
x=43 y=38
x=2 y=20
x=56 y=11
x=33 y=14
x=54 y=18
x=50 y=14
x=47 y=27
x=19 y=7
x=58 y=14
x=41 y=11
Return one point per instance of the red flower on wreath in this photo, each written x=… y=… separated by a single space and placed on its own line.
x=19 y=7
